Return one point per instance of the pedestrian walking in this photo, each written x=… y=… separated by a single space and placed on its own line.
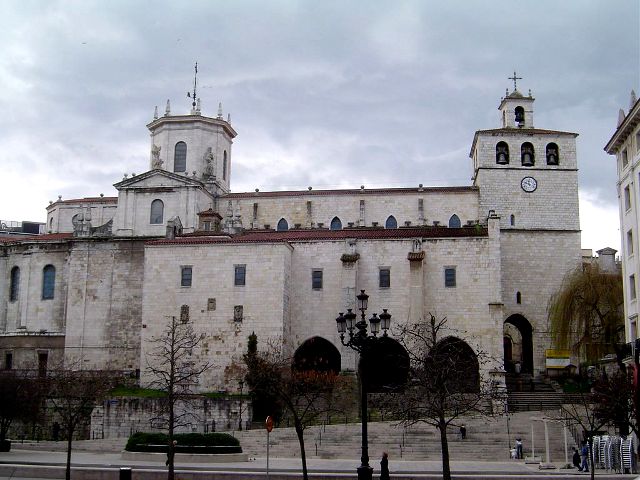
x=576 y=459
x=519 y=449
x=384 y=467
x=584 y=453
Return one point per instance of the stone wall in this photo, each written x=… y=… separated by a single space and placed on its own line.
x=361 y=209
x=123 y=416
x=104 y=305
x=30 y=312
x=534 y=264
x=212 y=299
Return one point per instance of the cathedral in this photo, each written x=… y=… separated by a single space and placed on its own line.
x=110 y=272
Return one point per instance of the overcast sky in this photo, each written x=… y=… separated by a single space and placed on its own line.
x=322 y=93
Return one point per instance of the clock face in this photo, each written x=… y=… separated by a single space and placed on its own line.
x=529 y=184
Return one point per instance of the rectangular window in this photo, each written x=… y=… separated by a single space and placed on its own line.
x=625 y=158
x=638 y=141
x=8 y=360
x=43 y=360
x=48 y=282
x=184 y=313
x=633 y=328
x=630 y=242
x=627 y=198
x=207 y=226
x=240 y=275
x=238 y=313
x=186 y=275
x=632 y=287
x=384 y=278
x=450 y=276
x=316 y=279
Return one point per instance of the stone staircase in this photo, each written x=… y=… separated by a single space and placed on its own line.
x=486 y=440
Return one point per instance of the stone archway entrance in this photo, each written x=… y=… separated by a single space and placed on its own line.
x=518 y=345
x=458 y=353
x=317 y=354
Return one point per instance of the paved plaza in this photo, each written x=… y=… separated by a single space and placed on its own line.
x=36 y=461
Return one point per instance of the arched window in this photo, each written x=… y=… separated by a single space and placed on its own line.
x=224 y=165
x=519 y=112
x=502 y=153
x=513 y=220
x=553 y=157
x=336 y=224
x=48 y=282
x=391 y=222
x=518 y=298
x=14 y=288
x=454 y=221
x=157 y=212
x=180 y=157
x=527 y=155
x=51 y=223
x=282 y=225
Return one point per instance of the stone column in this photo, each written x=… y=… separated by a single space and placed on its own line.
x=416 y=283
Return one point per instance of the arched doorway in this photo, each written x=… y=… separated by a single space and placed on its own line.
x=317 y=354
x=519 y=355
x=385 y=367
x=456 y=352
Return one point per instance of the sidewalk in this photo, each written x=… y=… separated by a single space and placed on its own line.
x=102 y=466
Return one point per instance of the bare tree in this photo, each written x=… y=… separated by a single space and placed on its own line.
x=614 y=402
x=307 y=396
x=73 y=394
x=175 y=372
x=444 y=381
x=581 y=412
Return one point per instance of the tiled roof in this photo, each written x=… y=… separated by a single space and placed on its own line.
x=88 y=200
x=352 y=191
x=264 y=236
x=520 y=131
x=49 y=237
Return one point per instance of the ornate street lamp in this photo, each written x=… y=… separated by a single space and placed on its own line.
x=360 y=341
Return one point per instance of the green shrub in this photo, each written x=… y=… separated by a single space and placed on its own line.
x=186 y=443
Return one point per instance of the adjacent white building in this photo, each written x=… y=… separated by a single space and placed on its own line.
x=625 y=145
x=177 y=242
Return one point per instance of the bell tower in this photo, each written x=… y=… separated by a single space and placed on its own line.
x=193 y=145
x=527 y=175
x=516 y=110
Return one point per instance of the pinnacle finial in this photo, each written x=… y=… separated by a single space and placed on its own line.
x=621 y=117
x=220 y=110
x=167 y=111
x=632 y=99
x=155 y=113
x=198 y=110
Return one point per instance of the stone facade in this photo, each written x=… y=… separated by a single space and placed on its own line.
x=283 y=264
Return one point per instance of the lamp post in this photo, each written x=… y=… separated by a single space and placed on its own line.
x=360 y=341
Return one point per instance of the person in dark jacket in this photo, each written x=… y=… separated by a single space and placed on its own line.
x=384 y=467
x=576 y=459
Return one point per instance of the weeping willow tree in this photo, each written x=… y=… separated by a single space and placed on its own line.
x=586 y=314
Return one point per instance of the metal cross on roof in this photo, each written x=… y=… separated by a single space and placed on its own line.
x=515 y=79
x=195 y=82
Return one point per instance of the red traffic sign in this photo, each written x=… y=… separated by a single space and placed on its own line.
x=269 y=423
